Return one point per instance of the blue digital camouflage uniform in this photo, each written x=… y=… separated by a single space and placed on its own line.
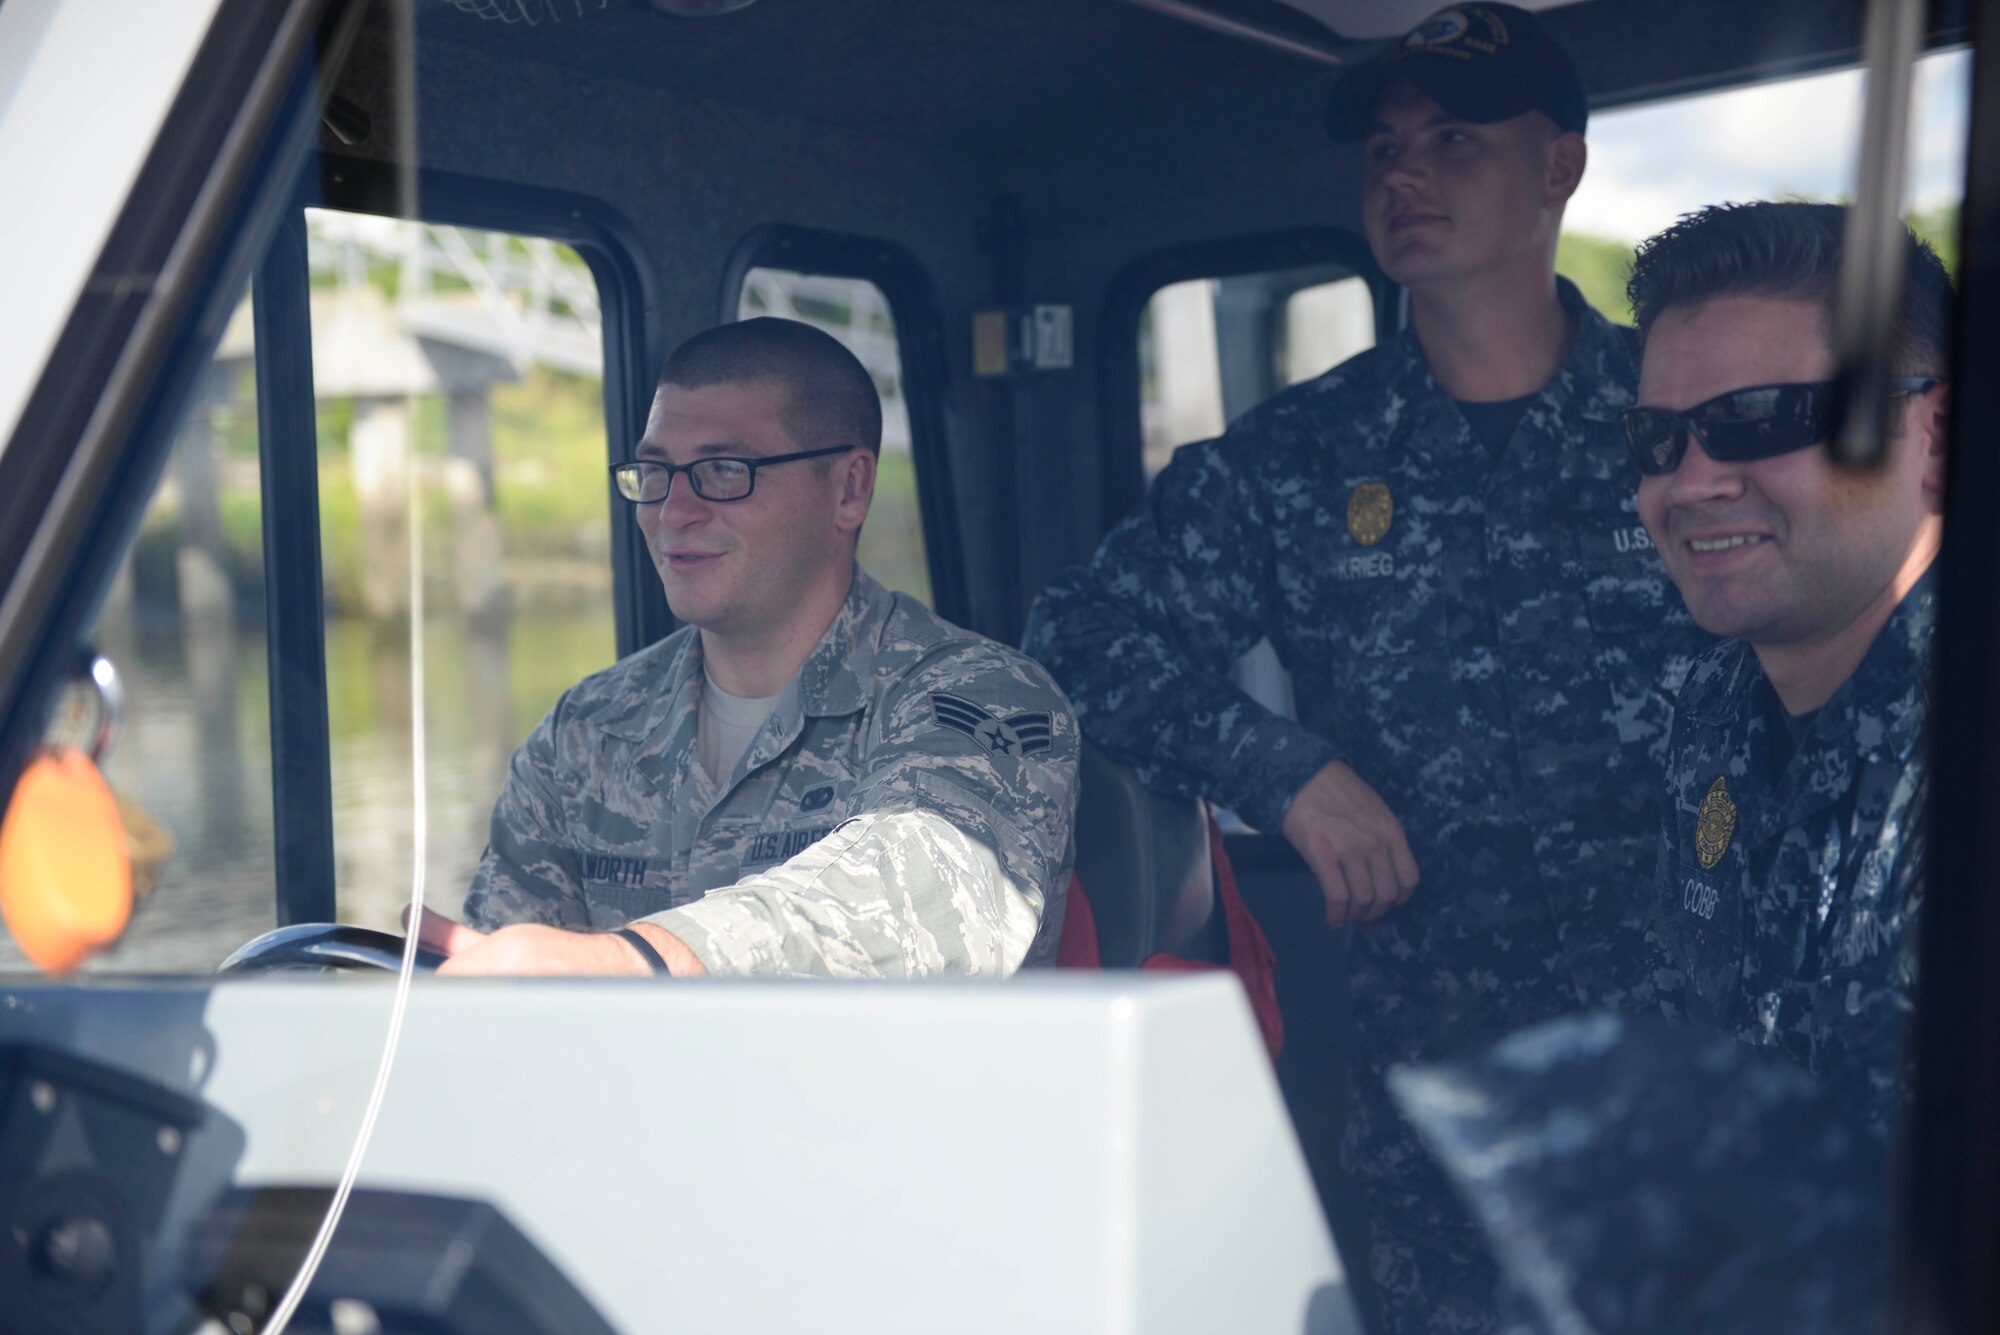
x=1492 y=644
x=1788 y=890
x=905 y=810
x=1639 y=1175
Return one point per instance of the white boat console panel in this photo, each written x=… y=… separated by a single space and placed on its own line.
x=1052 y=1154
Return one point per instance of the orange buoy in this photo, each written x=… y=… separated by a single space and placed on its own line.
x=65 y=868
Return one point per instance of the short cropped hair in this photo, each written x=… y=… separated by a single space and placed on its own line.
x=830 y=399
x=1789 y=249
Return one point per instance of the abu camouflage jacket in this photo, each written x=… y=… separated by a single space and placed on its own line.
x=1788 y=889
x=906 y=809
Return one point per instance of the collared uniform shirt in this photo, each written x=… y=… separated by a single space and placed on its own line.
x=1489 y=640
x=1492 y=644
x=1788 y=888
x=905 y=810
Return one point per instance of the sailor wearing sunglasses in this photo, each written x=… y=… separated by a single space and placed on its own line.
x=1791 y=873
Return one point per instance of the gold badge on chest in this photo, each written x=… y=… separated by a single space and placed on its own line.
x=1369 y=512
x=1714 y=825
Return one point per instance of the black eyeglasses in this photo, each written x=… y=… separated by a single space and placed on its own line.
x=647 y=481
x=1744 y=424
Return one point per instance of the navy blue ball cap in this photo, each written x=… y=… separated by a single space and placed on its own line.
x=1480 y=62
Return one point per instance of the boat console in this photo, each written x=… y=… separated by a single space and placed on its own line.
x=1087 y=1154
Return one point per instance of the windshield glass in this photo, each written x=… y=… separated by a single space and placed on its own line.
x=1405 y=575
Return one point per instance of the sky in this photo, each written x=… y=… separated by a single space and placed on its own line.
x=1800 y=137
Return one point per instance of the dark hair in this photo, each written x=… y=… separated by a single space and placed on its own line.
x=831 y=398
x=1785 y=249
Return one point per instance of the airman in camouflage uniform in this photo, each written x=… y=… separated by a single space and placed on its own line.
x=857 y=837
x=1792 y=859
x=814 y=776
x=1478 y=629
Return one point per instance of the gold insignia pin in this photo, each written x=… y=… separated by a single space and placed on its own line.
x=1369 y=512
x=1714 y=826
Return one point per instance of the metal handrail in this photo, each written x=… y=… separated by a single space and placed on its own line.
x=1246 y=29
x=1874 y=249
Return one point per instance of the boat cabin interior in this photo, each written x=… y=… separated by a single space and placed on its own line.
x=1011 y=189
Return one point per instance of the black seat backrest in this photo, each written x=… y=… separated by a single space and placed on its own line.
x=1144 y=862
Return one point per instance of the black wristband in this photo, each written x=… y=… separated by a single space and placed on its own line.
x=645 y=949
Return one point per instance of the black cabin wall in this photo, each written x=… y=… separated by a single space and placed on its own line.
x=1219 y=167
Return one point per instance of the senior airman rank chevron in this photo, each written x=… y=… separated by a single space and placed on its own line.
x=1020 y=735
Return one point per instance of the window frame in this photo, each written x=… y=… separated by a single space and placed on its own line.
x=1281 y=299
x=302 y=871
x=1947 y=1233
x=625 y=291
x=920 y=343
x=301 y=738
x=1121 y=460
x=99 y=426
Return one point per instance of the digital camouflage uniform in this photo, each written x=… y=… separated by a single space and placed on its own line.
x=1638 y=1175
x=1492 y=644
x=905 y=810
x=1787 y=893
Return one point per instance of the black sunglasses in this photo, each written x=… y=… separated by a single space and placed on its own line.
x=647 y=481
x=1744 y=424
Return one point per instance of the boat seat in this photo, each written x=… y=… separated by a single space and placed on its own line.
x=1144 y=862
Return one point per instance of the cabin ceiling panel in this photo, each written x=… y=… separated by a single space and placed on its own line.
x=1366 y=20
x=985 y=77
x=1005 y=77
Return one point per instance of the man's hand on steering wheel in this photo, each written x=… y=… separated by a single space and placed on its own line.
x=530 y=948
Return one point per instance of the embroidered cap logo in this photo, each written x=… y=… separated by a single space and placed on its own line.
x=1440 y=29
